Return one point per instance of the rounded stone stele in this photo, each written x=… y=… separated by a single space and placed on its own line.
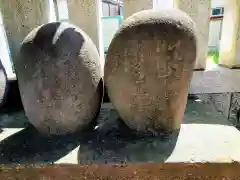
x=60 y=79
x=148 y=69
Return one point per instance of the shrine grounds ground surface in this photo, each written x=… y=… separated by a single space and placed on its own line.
x=205 y=136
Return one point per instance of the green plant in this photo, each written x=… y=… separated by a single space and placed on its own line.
x=214 y=55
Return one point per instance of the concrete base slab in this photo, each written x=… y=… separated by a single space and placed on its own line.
x=195 y=143
x=206 y=143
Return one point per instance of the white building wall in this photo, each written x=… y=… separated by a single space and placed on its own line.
x=162 y=4
x=218 y=3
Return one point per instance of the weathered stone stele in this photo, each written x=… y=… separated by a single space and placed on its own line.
x=60 y=78
x=148 y=69
x=26 y=15
x=3 y=84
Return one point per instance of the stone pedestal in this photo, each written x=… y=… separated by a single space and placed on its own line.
x=87 y=15
x=199 y=10
x=20 y=17
x=133 y=6
x=229 y=45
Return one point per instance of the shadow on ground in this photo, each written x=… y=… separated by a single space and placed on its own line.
x=28 y=146
x=110 y=142
x=11 y=108
x=113 y=142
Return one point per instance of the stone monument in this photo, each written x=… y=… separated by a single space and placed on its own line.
x=60 y=79
x=148 y=69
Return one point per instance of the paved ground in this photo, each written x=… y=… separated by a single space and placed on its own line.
x=205 y=135
x=219 y=80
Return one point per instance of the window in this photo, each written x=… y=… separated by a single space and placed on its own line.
x=113 y=9
x=62 y=10
x=105 y=9
x=52 y=13
x=217 y=11
x=121 y=10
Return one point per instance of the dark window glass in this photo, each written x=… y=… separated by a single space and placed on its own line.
x=216 y=11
